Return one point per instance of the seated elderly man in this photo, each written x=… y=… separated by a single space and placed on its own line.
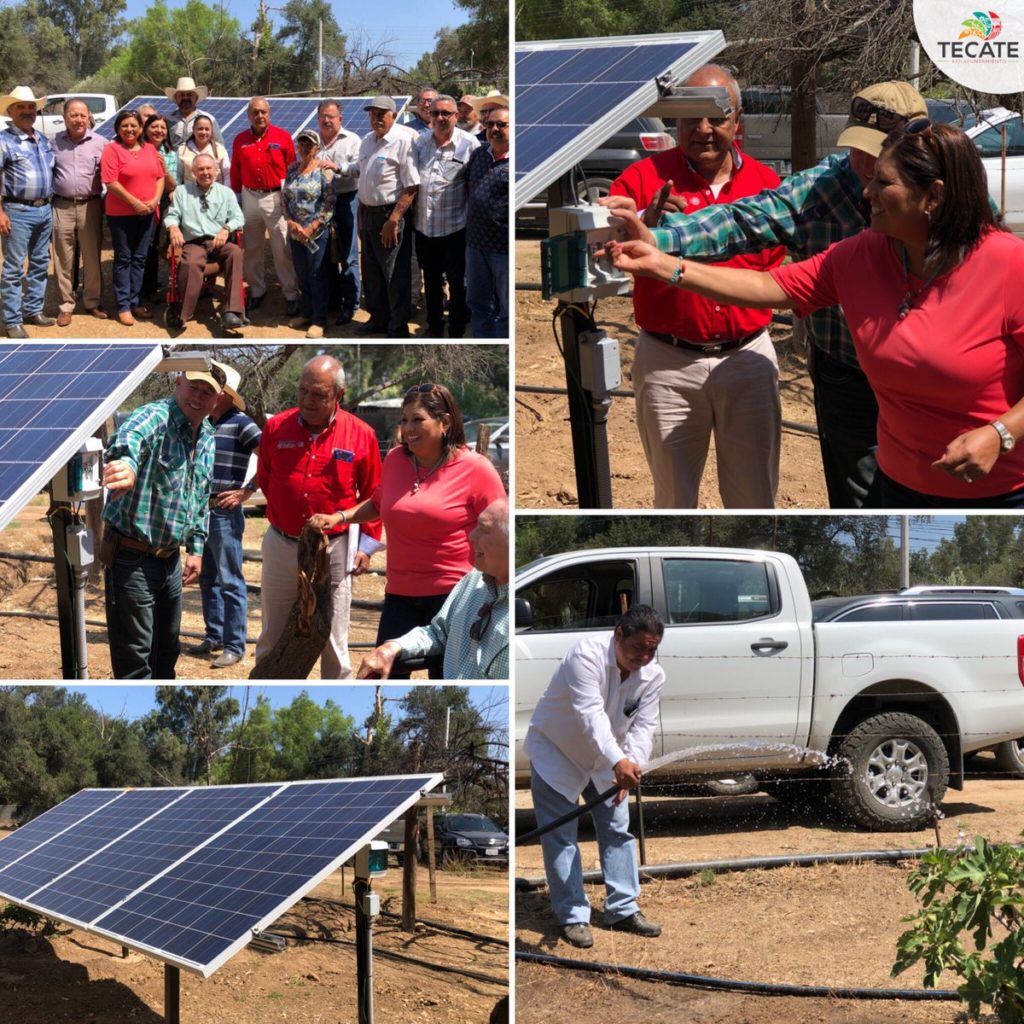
x=471 y=629
x=202 y=216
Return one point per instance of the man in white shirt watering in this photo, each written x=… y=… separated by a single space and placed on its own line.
x=594 y=728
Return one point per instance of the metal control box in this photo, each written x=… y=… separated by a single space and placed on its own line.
x=81 y=477
x=571 y=270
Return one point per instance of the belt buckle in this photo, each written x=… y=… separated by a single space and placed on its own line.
x=714 y=349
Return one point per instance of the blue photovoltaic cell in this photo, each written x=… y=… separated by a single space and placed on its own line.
x=202 y=906
x=54 y=821
x=53 y=396
x=81 y=840
x=104 y=880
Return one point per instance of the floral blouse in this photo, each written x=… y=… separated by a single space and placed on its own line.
x=309 y=197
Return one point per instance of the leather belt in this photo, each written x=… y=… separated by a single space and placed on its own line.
x=77 y=200
x=287 y=536
x=27 y=202
x=263 y=191
x=138 y=545
x=706 y=348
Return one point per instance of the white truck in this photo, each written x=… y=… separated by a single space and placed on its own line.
x=751 y=681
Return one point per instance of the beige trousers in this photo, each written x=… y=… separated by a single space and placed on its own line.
x=264 y=214
x=86 y=221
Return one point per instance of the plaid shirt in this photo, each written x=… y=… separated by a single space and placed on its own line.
x=26 y=165
x=464 y=657
x=441 y=201
x=236 y=439
x=807 y=213
x=169 y=504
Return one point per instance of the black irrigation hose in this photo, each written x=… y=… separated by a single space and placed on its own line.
x=765 y=988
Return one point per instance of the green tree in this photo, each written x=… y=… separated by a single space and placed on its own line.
x=33 y=50
x=201 y=717
x=89 y=27
x=983 y=550
x=302 y=21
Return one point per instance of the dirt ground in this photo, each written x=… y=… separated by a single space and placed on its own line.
x=77 y=977
x=833 y=925
x=545 y=475
x=30 y=648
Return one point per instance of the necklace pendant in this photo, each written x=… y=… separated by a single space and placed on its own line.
x=415 y=486
x=904 y=309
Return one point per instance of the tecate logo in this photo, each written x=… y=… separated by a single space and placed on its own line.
x=977 y=41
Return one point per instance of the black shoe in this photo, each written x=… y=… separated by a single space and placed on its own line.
x=371 y=328
x=40 y=320
x=255 y=301
x=16 y=331
x=206 y=647
x=638 y=925
x=578 y=935
x=291 y=307
x=232 y=321
x=346 y=316
x=400 y=332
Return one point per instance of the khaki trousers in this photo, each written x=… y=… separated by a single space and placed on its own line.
x=84 y=220
x=279 y=587
x=264 y=214
x=682 y=397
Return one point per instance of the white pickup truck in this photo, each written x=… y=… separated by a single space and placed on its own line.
x=750 y=677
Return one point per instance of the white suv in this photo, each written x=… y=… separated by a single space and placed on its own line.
x=987 y=135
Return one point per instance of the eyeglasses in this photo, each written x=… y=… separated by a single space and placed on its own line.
x=420 y=389
x=204 y=202
x=920 y=126
x=497 y=125
x=885 y=120
x=481 y=622
x=444 y=113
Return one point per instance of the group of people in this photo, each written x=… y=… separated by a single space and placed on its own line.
x=178 y=475
x=347 y=219
x=914 y=323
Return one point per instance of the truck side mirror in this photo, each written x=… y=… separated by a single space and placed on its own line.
x=524 y=613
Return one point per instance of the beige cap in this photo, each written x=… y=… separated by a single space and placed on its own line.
x=214 y=376
x=233 y=381
x=896 y=97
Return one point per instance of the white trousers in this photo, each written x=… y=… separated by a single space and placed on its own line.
x=279 y=586
x=264 y=214
x=683 y=396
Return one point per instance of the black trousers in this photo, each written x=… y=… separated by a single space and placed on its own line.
x=400 y=614
x=440 y=258
x=386 y=273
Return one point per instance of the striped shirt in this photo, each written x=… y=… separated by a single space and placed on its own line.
x=236 y=439
x=464 y=657
x=441 y=201
x=26 y=165
x=169 y=504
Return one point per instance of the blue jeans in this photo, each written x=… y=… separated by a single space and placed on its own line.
x=562 y=863
x=143 y=598
x=346 y=208
x=130 y=238
x=311 y=273
x=487 y=292
x=221 y=582
x=29 y=238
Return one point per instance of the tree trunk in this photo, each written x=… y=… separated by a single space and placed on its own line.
x=804 y=151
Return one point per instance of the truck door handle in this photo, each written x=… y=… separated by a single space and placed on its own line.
x=766 y=645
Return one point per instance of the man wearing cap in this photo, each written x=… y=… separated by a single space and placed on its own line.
x=26 y=184
x=810 y=211
x=469 y=119
x=158 y=470
x=487 y=230
x=186 y=96
x=260 y=157
x=388 y=181
x=339 y=151
x=442 y=158
x=202 y=217
x=221 y=582
x=703 y=368
x=77 y=210
x=315 y=462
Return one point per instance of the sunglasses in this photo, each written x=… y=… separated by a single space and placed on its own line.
x=885 y=120
x=497 y=125
x=419 y=389
x=444 y=113
x=481 y=622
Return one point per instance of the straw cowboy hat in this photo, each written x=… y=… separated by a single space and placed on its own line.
x=492 y=99
x=187 y=85
x=21 y=94
x=232 y=384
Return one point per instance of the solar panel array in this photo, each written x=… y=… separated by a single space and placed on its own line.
x=572 y=94
x=189 y=875
x=289 y=112
x=52 y=397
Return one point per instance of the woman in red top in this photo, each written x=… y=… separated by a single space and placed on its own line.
x=933 y=298
x=432 y=489
x=134 y=175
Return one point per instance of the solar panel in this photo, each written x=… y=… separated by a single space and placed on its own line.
x=52 y=397
x=288 y=112
x=572 y=94
x=189 y=875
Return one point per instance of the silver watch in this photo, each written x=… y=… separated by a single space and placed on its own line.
x=1006 y=440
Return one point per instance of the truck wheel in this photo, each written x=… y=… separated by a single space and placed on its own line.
x=1010 y=758
x=897 y=768
x=733 y=785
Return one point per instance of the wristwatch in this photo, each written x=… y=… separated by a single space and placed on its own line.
x=1006 y=440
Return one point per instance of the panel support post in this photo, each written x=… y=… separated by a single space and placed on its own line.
x=364 y=951
x=172 y=994
x=409 y=870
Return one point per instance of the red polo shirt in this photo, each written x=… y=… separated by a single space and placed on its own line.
x=303 y=473
x=261 y=163
x=664 y=309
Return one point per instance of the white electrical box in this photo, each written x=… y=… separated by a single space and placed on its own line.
x=372 y=859
x=82 y=477
x=571 y=270
x=600 y=371
x=79 y=545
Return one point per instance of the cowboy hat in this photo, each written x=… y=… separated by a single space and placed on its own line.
x=492 y=99
x=21 y=94
x=233 y=381
x=187 y=85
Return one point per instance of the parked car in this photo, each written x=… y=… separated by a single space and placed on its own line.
x=752 y=677
x=465 y=837
x=987 y=134
x=50 y=119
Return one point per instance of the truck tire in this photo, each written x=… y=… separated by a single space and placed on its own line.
x=898 y=768
x=741 y=784
x=1010 y=758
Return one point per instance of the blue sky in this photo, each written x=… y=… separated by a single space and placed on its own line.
x=407 y=28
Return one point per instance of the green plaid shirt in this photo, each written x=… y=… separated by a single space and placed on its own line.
x=464 y=657
x=169 y=504
x=807 y=213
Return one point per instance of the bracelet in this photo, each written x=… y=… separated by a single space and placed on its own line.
x=344 y=518
x=679 y=274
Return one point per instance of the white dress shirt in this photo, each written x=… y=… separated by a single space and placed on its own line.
x=386 y=167
x=343 y=152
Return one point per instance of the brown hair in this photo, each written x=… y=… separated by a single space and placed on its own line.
x=438 y=401
x=964 y=213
